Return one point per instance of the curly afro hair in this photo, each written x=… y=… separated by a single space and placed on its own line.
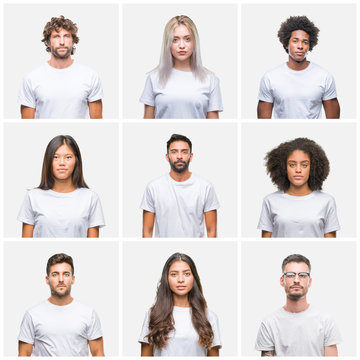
x=298 y=23
x=276 y=163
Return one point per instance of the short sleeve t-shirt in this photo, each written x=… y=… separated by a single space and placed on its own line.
x=297 y=334
x=286 y=215
x=55 y=214
x=184 y=341
x=179 y=206
x=60 y=93
x=297 y=94
x=60 y=330
x=183 y=97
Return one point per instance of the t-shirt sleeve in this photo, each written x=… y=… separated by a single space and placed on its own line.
x=330 y=88
x=265 y=92
x=96 y=216
x=26 y=95
x=96 y=91
x=265 y=221
x=215 y=100
x=94 y=329
x=27 y=331
x=147 y=202
x=26 y=213
x=331 y=221
x=148 y=96
x=214 y=322
x=145 y=329
x=264 y=340
x=211 y=201
x=332 y=333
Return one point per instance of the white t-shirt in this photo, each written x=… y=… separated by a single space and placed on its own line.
x=311 y=215
x=297 y=94
x=183 y=97
x=179 y=206
x=57 y=214
x=184 y=341
x=60 y=330
x=60 y=93
x=297 y=334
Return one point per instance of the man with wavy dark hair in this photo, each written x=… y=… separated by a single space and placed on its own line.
x=61 y=87
x=298 y=88
x=60 y=325
x=297 y=329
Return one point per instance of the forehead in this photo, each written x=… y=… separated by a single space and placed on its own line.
x=181 y=30
x=179 y=266
x=64 y=149
x=300 y=34
x=60 y=31
x=62 y=267
x=298 y=155
x=179 y=145
x=296 y=267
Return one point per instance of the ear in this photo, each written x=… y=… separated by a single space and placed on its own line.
x=282 y=281
x=191 y=156
x=167 y=157
x=73 y=280
x=310 y=281
x=47 y=280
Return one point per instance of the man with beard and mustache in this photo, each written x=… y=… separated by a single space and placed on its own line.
x=179 y=202
x=61 y=325
x=298 y=88
x=297 y=329
x=61 y=87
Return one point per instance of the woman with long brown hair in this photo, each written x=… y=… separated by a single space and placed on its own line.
x=179 y=323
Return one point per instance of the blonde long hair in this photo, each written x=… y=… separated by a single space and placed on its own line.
x=166 y=59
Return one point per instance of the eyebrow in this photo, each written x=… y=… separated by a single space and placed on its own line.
x=176 y=271
x=302 y=161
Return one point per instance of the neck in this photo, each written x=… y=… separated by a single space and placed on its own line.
x=61 y=301
x=298 y=190
x=181 y=301
x=297 y=65
x=182 y=65
x=180 y=176
x=296 y=306
x=60 y=63
x=64 y=186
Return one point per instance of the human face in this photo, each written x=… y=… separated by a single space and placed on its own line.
x=182 y=44
x=61 y=43
x=298 y=168
x=60 y=280
x=180 y=278
x=299 y=44
x=63 y=163
x=179 y=156
x=297 y=287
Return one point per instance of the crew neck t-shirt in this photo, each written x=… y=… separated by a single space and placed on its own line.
x=297 y=334
x=297 y=94
x=184 y=341
x=311 y=215
x=179 y=206
x=183 y=97
x=60 y=330
x=55 y=214
x=60 y=93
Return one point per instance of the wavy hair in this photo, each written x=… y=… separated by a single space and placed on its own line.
x=161 y=319
x=166 y=59
x=276 y=163
x=47 y=176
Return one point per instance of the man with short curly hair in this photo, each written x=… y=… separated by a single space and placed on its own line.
x=298 y=88
x=61 y=87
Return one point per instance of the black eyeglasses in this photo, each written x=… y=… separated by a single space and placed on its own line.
x=292 y=275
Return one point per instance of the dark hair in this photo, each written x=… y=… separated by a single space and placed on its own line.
x=57 y=23
x=47 y=176
x=298 y=23
x=177 y=137
x=295 y=258
x=276 y=163
x=161 y=319
x=59 y=259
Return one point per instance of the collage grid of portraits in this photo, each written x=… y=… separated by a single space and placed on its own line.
x=117 y=274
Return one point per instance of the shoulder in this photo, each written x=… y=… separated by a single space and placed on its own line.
x=87 y=192
x=273 y=196
x=80 y=306
x=201 y=181
x=319 y=69
x=158 y=182
x=280 y=69
x=39 y=71
x=83 y=68
x=35 y=193
x=212 y=317
x=38 y=308
x=323 y=196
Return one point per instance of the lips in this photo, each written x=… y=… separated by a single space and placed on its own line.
x=182 y=52
x=181 y=287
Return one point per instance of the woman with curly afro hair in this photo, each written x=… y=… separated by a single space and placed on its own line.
x=298 y=209
x=179 y=323
x=298 y=88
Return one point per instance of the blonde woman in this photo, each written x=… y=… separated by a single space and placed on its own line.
x=180 y=87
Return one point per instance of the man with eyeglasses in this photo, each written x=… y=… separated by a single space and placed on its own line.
x=297 y=329
x=179 y=203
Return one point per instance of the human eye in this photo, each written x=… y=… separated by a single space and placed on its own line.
x=188 y=273
x=292 y=165
x=67 y=274
x=303 y=275
x=290 y=275
x=55 y=157
x=68 y=157
x=305 y=166
x=54 y=275
x=172 y=274
x=188 y=38
x=174 y=40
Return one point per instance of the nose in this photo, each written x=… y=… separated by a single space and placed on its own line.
x=181 y=278
x=181 y=43
x=300 y=45
x=298 y=168
x=61 y=277
x=61 y=160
